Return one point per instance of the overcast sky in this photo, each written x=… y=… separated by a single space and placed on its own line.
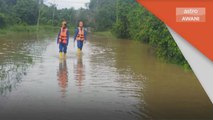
x=67 y=3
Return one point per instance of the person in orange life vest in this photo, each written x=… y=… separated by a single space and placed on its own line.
x=63 y=38
x=80 y=36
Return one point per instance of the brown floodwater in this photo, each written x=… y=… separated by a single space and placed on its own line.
x=112 y=79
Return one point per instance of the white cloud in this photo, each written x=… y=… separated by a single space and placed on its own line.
x=67 y=3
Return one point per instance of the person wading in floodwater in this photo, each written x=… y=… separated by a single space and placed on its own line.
x=63 y=39
x=80 y=36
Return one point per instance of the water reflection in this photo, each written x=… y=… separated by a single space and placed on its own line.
x=10 y=75
x=17 y=53
x=63 y=76
x=79 y=70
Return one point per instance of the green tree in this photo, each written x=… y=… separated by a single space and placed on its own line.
x=103 y=13
x=27 y=11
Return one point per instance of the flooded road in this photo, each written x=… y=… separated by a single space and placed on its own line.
x=111 y=79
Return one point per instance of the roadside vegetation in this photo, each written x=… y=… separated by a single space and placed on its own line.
x=33 y=16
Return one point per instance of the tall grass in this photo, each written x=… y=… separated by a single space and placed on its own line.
x=26 y=28
x=42 y=31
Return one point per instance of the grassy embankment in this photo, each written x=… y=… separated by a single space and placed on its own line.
x=42 y=30
x=23 y=29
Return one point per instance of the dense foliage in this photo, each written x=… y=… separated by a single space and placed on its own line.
x=32 y=12
x=103 y=14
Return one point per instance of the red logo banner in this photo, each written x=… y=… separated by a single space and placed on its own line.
x=192 y=19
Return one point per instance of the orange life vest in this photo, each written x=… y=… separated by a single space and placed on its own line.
x=63 y=36
x=80 y=35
